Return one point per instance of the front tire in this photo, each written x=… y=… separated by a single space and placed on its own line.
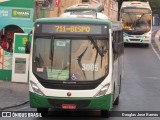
x=146 y=45
x=43 y=111
x=116 y=102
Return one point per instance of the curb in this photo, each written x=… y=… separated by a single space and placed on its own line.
x=1 y=109
x=157 y=39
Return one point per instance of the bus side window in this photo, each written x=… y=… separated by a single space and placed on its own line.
x=28 y=44
x=115 y=45
x=120 y=42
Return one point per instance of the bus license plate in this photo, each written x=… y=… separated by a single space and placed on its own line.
x=69 y=106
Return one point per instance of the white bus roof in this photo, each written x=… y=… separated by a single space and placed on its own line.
x=136 y=4
x=97 y=7
x=91 y=15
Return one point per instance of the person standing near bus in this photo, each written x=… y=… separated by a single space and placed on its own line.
x=4 y=43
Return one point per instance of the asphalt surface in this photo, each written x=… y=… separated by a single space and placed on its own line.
x=140 y=91
x=13 y=94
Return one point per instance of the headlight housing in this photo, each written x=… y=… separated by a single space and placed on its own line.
x=36 y=88
x=148 y=35
x=103 y=90
x=125 y=34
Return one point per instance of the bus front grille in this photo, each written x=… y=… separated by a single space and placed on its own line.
x=79 y=103
x=134 y=39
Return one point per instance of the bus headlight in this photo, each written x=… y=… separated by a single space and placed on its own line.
x=36 y=88
x=103 y=90
x=125 y=34
x=148 y=35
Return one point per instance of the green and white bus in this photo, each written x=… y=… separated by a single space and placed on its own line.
x=75 y=64
x=137 y=22
x=81 y=7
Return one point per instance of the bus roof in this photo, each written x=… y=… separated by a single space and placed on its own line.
x=97 y=7
x=111 y=24
x=91 y=15
x=72 y=20
x=135 y=4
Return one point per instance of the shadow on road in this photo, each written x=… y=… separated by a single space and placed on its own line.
x=131 y=45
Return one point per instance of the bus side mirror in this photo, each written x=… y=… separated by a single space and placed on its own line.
x=28 y=47
x=28 y=44
x=115 y=47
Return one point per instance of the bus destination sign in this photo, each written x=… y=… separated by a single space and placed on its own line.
x=72 y=29
x=136 y=10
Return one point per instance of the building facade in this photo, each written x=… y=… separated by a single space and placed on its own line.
x=110 y=7
x=16 y=17
x=62 y=6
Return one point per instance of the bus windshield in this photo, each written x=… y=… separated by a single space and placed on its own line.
x=61 y=59
x=136 y=22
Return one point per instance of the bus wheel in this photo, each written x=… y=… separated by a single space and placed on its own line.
x=116 y=102
x=43 y=111
x=105 y=113
x=146 y=45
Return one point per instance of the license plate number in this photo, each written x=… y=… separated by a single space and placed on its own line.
x=69 y=106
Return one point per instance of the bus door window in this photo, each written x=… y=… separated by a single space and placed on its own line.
x=115 y=40
x=121 y=42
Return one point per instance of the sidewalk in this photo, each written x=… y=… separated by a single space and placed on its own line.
x=13 y=94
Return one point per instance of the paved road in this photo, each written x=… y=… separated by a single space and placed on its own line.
x=141 y=85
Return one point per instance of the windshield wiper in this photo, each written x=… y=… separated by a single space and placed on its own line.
x=101 y=53
x=38 y=61
x=79 y=61
x=133 y=25
x=96 y=47
x=51 y=51
x=129 y=17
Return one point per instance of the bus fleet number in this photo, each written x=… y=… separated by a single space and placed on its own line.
x=73 y=29
x=90 y=67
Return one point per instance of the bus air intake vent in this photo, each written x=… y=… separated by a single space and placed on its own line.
x=134 y=39
x=79 y=103
x=83 y=6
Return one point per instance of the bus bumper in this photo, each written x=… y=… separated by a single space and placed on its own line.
x=96 y=103
x=135 y=39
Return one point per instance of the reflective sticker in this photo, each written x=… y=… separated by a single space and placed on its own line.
x=73 y=77
x=105 y=27
x=40 y=69
x=61 y=43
